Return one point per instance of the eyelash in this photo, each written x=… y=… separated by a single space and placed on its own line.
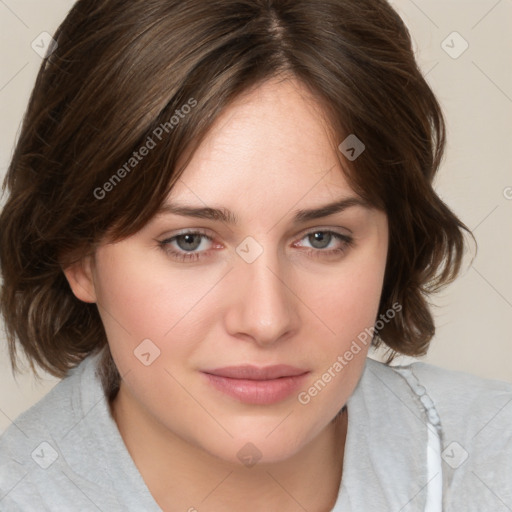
x=346 y=240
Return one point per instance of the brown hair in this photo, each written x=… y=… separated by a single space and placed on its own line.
x=124 y=70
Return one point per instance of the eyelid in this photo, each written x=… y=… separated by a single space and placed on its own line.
x=210 y=234
x=347 y=240
x=333 y=229
x=187 y=231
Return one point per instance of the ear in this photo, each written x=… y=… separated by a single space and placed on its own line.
x=80 y=279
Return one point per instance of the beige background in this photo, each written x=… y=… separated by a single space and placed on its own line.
x=473 y=315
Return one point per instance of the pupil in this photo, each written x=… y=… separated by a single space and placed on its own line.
x=189 y=239
x=321 y=236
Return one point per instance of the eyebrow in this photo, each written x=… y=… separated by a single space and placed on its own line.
x=227 y=216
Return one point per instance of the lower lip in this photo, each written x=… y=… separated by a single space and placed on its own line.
x=261 y=392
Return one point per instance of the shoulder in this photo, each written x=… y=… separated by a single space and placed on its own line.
x=466 y=401
x=475 y=412
x=475 y=426
x=66 y=453
x=468 y=405
x=459 y=381
x=455 y=393
x=29 y=448
x=51 y=415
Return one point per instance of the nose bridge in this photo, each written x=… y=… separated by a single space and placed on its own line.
x=264 y=307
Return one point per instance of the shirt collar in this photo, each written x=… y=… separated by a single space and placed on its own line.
x=385 y=460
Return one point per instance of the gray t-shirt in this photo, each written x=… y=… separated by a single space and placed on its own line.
x=419 y=438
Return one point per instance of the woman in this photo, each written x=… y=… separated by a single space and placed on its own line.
x=215 y=209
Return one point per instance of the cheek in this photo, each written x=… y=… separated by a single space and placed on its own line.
x=347 y=301
x=359 y=297
x=134 y=299
x=133 y=287
x=140 y=297
x=348 y=306
x=131 y=297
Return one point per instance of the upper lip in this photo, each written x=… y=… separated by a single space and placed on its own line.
x=250 y=372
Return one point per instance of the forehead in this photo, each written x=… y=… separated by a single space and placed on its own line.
x=271 y=144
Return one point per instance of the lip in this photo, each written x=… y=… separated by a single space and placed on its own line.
x=254 y=385
x=251 y=372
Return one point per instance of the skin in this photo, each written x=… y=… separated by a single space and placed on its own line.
x=268 y=155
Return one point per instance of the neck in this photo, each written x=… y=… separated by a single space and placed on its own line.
x=182 y=476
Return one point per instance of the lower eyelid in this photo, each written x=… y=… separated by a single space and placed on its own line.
x=344 y=240
x=338 y=236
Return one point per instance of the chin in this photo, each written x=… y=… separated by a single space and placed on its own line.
x=257 y=449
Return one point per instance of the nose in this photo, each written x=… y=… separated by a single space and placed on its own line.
x=262 y=307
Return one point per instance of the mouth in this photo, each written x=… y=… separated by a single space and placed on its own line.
x=259 y=386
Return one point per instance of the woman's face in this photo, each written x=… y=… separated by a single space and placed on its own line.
x=271 y=284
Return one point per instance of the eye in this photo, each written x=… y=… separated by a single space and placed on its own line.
x=322 y=242
x=193 y=245
x=182 y=247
